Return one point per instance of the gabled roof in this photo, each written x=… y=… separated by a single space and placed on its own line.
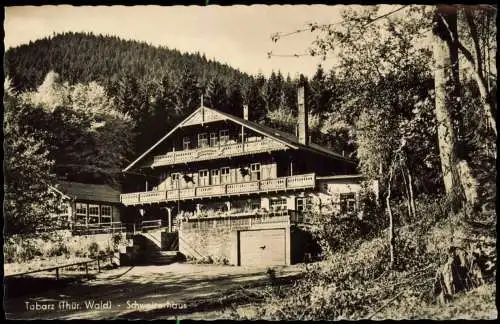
x=89 y=192
x=285 y=138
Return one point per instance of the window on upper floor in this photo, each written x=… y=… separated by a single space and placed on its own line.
x=224 y=136
x=224 y=175
x=215 y=175
x=186 y=142
x=303 y=203
x=214 y=141
x=277 y=204
x=255 y=171
x=175 y=178
x=203 y=178
x=202 y=140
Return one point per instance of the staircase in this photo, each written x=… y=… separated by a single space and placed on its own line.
x=151 y=248
x=163 y=257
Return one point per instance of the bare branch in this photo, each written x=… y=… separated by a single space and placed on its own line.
x=312 y=26
x=384 y=15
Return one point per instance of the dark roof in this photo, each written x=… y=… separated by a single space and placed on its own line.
x=341 y=177
x=284 y=137
x=287 y=137
x=90 y=192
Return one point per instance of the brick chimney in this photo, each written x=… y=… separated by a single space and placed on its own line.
x=303 y=127
x=245 y=112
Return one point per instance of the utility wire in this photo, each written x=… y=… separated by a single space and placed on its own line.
x=311 y=27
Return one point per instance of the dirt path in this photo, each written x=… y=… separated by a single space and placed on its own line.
x=123 y=291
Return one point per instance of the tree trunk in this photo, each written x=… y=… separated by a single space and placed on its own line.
x=391 y=224
x=412 y=198
x=446 y=83
x=478 y=66
x=447 y=88
x=407 y=193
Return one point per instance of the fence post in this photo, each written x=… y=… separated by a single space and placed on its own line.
x=57 y=273
x=87 y=269
x=98 y=265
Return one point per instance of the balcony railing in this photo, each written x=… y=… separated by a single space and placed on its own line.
x=103 y=228
x=221 y=151
x=242 y=221
x=301 y=181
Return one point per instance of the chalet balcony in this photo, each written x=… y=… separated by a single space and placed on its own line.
x=302 y=181
x=247 y=221
x=220 y=151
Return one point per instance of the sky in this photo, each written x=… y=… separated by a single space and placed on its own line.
x=237 y=35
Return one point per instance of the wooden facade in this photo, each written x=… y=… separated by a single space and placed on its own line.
x=214 y=159
x=89 y=207
x=214 y=164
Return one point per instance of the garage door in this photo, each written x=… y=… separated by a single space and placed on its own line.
x=262 y=247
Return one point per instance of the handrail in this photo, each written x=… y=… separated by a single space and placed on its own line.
x=277 y=216
x=282 y=183
x=224 y=150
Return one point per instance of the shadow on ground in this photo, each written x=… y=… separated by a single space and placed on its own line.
x=176 y=284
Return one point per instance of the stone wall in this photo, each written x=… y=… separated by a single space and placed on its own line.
x=218 y=243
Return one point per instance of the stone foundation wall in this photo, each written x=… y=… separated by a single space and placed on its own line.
x=217 y=243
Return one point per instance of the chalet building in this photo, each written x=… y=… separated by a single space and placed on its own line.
x=238 y=187
x=89 y=208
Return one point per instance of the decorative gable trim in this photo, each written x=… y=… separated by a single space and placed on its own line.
x=206 y=115
x=201 y=116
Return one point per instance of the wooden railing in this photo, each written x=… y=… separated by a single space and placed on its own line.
x=247 y=221
x=221 y=151
x=97 y=260
x=103 y=228
x=284 y=183
x=150 y=224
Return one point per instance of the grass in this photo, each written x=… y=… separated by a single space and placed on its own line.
x=41 y=263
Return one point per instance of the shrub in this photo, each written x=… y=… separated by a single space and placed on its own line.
x=117 y=240
x=93 y=249
x=9 y=253
x=58 y=249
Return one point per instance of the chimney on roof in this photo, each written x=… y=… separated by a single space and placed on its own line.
x=303 y=127
x=245 y=112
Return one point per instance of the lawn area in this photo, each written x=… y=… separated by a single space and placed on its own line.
x=41 y=263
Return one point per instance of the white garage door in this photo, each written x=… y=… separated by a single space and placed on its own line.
x=262 y=247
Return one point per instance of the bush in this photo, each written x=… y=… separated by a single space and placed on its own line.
x=58 y=249
x=117 y=239
x=93 y=249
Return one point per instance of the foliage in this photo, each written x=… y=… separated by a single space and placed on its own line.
x=117 y=240
x=89 y=139
x=28 y=200
x=336 y=233
x=93 y=249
